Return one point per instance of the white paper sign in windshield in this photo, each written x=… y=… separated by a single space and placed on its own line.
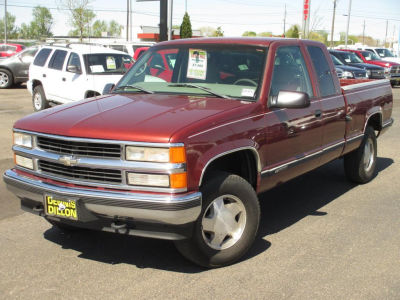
x=197 y=65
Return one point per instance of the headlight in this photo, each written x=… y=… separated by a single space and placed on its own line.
x=347 y=74
x=149 y=154
x=368 y=72
x=24 y=162
x=22 y=139
x=387 y=70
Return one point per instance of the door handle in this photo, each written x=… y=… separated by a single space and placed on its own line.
x=44 y=75
x=318 y=113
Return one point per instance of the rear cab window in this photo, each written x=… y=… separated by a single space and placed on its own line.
x=41 y=57
x=323 y=71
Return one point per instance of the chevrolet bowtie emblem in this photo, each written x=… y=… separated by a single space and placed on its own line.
x=68 y=160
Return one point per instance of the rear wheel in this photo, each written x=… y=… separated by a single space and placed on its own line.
x=39 y=100
x=360 y=165
x=6 y=79
x=227 y=225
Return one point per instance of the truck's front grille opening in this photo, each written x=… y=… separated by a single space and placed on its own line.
x=79 y=148
x=80 y=173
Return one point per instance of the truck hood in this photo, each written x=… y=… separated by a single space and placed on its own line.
x=366 y=66
x=133 y=117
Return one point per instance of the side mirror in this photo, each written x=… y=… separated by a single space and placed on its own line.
x=74 y=69
x=290 y=99
x=108 y=88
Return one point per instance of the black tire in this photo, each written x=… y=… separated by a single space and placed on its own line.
x=6 y=79
x=62 y=226
x=39 y=100
x=360 y=164
x=240 y=204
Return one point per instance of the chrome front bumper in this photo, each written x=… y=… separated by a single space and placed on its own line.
x=171 y=209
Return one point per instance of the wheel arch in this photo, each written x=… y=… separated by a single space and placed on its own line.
x=374 y=119
x=249 y=166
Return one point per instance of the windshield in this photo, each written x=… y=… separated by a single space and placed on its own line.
x=227 y=71
x=382 y=52
x=107 y=63
x=336 y=61
x=350 y=57
x=370 y=55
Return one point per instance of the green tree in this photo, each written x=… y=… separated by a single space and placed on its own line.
x=249 y=33
x=265 y=34
x=12 y=30
x=42 y=22
x=292 y=32
x=186 y=27
x=80 y=17
x=114 y=29
x=99 y=27
x=219 y=32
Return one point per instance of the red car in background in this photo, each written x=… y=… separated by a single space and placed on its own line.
x=138 y=52
x=392 y=69
x=7 y=50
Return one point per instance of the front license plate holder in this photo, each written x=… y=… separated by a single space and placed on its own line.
x=61 y=207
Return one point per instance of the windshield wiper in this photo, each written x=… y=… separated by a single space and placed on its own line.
x=201 y=88
x=123 y=87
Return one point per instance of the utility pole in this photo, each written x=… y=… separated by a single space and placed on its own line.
x=170 y=20
x=185 y=5
x=348 y=23
x=127 y=20
x=391 y=42
x=284 y=22
x=384 y=43
x=333 y=22
x=5 y=21
x=364 y=33
x=130 y=21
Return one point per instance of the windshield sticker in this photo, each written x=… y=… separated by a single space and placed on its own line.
x=111 y=63
x=243 y=67
x=97 y=68
x=347 y=60
x=247 y=93
x=367 y=58
x=197 y=65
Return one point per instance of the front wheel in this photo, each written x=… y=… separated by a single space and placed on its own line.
x=360 y=165
x=227 y=225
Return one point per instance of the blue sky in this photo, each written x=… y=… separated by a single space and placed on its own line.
x=234 y=16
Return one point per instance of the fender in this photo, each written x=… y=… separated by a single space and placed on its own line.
x=214 y=156
x=376 y=110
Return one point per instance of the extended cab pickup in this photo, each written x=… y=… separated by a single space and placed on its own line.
x=181 y=154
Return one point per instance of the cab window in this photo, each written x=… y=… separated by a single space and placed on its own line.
x=290 y=72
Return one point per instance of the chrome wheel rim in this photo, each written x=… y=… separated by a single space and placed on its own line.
x=369 y=155
x=37 y=101
x=3 y=79
x=223 y=222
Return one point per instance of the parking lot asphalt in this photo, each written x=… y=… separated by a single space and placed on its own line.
x=321 y=237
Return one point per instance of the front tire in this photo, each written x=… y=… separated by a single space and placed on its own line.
x=6 y=79
x=227 y=225
x=39 y=100
x=360 y=165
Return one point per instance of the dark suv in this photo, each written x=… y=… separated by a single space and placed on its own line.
x=350 y=59
x=14 y=70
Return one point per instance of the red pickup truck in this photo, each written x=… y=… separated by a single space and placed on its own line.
x=183 y=157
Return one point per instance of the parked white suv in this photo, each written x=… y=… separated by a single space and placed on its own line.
x=72 y=72
x=383 y=53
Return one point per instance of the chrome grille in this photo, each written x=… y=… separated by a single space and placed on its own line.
x=79 y=148
x=80 y=173
x=377 y=74
x=395 y=70
x=359 y=74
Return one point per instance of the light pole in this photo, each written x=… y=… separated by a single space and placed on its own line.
x=348 y=23
x=5 y=21
x=333 y=22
